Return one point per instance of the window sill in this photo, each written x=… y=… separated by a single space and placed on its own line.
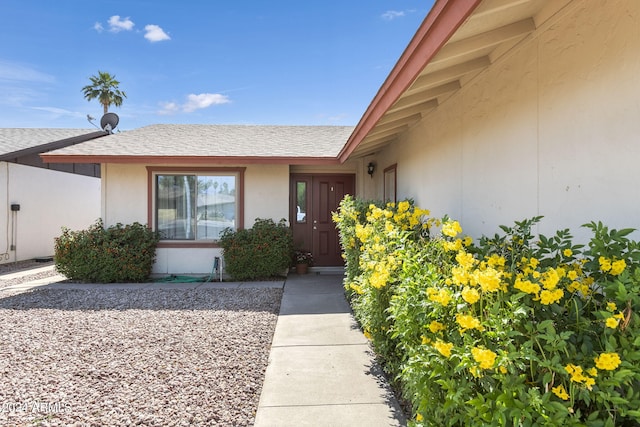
x=188 y=244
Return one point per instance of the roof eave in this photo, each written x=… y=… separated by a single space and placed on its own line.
x=190 y=160
x=445 y=17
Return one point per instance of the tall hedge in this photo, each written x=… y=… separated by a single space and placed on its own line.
x=515 y=329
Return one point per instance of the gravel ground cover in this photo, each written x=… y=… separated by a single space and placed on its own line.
x=134 y=357
x=25 y=267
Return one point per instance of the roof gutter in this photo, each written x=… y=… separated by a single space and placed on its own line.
x=445 y=17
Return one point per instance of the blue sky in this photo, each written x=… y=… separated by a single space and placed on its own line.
x=209 y=62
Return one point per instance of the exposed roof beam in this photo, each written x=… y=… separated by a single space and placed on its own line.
x=494 y=6
x=368 y=147
x=485 y=40
x=420 y=97
x=401 y=121
x=383 y=134
x=448 y=74
x=420 y=109
x=445 y=17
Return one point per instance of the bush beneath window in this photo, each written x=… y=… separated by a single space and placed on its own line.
x=264 y=251
x=121 y=253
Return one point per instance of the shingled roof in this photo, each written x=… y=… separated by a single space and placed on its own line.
x=164 y=143
x=16 y=142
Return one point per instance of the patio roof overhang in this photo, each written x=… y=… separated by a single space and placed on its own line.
x=456 y=42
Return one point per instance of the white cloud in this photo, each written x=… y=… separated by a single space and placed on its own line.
x=116 y=24
x=155 y=34
x=60 y=112
x=98 y=27
x=16 y=72
x=194 y=102
x=203 y=100
x=169 y=108
x=392 y=14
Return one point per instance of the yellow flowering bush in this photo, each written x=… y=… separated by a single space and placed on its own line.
x=515 y=330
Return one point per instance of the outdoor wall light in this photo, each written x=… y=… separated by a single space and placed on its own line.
x=371 y=168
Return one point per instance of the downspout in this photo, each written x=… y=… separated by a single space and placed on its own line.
x=6 y=255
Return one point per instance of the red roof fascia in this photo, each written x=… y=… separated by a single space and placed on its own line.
x=441 y=23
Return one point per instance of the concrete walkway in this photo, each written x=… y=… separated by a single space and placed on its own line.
x=321 y=369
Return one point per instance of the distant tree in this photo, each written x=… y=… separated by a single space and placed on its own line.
x=104 y=86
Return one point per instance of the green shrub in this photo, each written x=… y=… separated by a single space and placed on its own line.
x=121 y=253
x=261 y=252
x=517 y=330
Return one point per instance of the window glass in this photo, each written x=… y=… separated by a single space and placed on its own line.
x=301 y=198
x=390 y=184
x=195 y=207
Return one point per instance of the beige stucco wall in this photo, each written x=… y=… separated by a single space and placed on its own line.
x=124 y=199
x=551 y=129
x=48 y=200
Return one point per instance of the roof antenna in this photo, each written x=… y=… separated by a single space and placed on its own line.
x=90 y=119
x=109 y=121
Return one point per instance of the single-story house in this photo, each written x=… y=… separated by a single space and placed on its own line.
x=191 y=181
x=40 y=198
x=498 y=110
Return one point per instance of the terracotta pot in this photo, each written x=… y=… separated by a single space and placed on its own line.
x=302 y=268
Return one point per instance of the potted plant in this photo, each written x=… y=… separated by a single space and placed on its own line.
x=303 y=260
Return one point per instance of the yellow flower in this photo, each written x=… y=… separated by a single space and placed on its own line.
x=403 y=206
x=611 y=306
x=425 y=340
x=488 y=279
x=607 y=361
x=572 y=275
x=567 y=252
x=496 y=261
x=527 y=286
x=470 y=295
x=465 y=259
x=485 y=358
x=468 y=322
x=612 y=322
x=444 y=348
x=549 y=297
x=550 y=278
x=367 y=335
x=451 y=228
x=460 y=276
x=356 y=288
x=577 y=375
x=441 y=296
x=503 y=370
x=605 y=264
x=560 y=392
x=419 y=418
x=436 y=327
x=467 y=241
x=456 y=245
x=617 y=267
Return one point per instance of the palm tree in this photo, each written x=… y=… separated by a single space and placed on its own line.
x=105 y=88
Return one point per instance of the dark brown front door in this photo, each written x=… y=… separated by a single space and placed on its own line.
x=313 y=199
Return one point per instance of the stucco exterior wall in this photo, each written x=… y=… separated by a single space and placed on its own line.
x=550 y=129
x=124 y=199
x=48 y=200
